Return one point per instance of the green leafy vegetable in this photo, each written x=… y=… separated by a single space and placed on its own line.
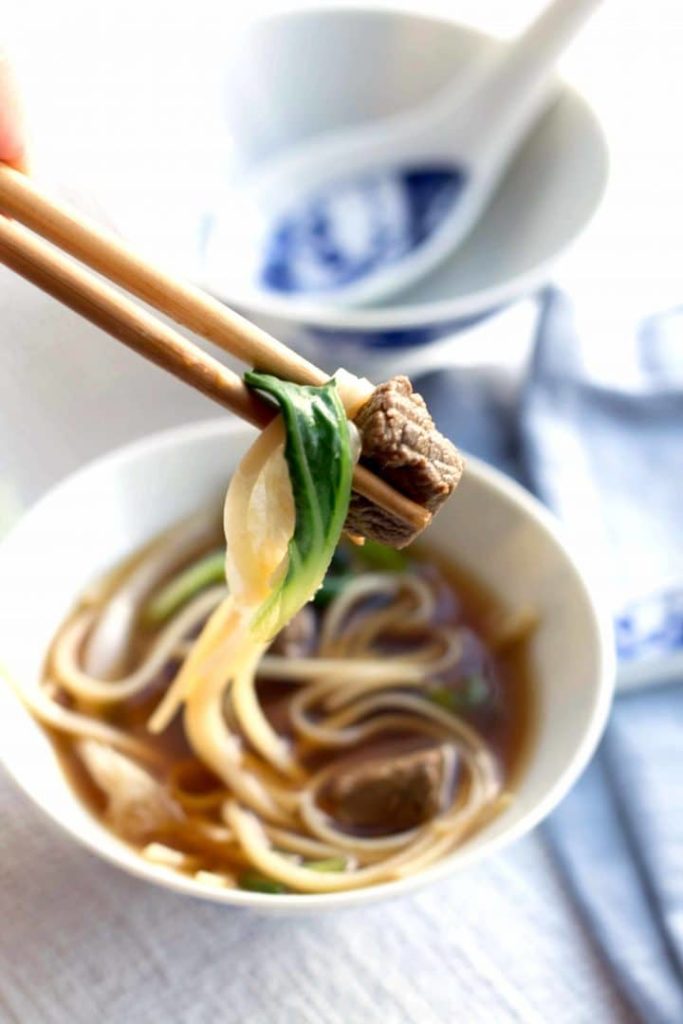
x=470 y=692
x=318 y=454
x=201 y=574
x=253 y=881
x=370 y=555
x=339 y=575
x=382 y=558
x=329 y=864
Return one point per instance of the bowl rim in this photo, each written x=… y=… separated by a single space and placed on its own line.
x=205 y=430
x=317 y=315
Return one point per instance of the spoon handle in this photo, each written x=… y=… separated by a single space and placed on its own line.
x=503 y=102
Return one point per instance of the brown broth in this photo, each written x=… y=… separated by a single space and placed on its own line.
x=511 y=733
x=508 y=728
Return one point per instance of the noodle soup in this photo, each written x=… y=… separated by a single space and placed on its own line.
x=383 y=726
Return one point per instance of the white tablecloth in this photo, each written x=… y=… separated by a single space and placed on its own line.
x=83 y=943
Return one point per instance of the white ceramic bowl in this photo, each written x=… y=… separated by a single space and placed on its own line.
x=294 y=75
x=491 y=526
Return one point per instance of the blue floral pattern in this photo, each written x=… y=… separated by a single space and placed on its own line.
x=651 y=627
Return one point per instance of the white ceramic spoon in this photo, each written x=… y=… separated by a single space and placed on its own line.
x=359 y=214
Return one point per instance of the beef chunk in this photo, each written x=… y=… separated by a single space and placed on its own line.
x=298 y=637
x=401 y=444
x=391 y=794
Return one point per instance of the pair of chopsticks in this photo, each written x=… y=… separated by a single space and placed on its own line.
x=93 y=298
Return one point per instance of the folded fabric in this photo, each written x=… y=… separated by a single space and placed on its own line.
x=618 y=838
x=605 y=452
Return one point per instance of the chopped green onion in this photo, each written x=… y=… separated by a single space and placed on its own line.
x=380 y=557
x=255 y=882
x=442 y=696
x=176 y=593
x=329 y=864
x=475 y=689
x=468 y=693
x=318 y=454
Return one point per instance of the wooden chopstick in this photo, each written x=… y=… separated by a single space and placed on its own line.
x=92 y=298
x=146 y=334
x=191 y=307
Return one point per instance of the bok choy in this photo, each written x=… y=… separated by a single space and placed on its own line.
x=320 y=464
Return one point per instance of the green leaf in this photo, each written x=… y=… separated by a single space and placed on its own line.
x=332 y=587
x=382 y=558
x=255 y=882
x=176 y=593
x=318 y=454
x=443 y=696
x=468 y=693
x=328 y=864
x=338 y=577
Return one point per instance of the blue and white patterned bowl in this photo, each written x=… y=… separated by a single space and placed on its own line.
x=293 y=75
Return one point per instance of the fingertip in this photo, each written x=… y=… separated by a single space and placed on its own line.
x=12 y=130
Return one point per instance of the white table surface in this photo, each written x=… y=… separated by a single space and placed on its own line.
x=81 y=942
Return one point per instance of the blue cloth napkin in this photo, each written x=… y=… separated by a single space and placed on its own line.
x=607 y=456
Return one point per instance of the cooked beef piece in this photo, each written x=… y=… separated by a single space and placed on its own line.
x=390 y=794
x=298 y=637
x=401 y=444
